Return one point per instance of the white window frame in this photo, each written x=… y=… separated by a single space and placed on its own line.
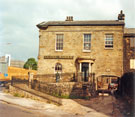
x=84 y=50
x=132 y=63
x=56 y=42
x=111 y=44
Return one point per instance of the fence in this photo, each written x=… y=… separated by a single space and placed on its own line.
x=82 y=77
x=66 y=77
x=58 y=77
x=52 y=78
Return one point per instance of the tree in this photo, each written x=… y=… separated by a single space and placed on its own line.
x=31 y=63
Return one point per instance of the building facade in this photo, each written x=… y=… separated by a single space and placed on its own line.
x=81 y=47
x=129 y=50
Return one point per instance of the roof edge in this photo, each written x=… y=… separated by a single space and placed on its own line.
x=44 y=25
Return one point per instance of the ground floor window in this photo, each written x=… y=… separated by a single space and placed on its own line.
x=58 y=68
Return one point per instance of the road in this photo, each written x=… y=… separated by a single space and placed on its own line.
x=101 y=106
x=9 y=110
x=1 y=88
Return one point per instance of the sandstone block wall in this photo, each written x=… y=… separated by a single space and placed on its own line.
x=33 y=94
x=65 y=89
x=107 y=61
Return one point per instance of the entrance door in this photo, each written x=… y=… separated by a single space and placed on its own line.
x=85 y=71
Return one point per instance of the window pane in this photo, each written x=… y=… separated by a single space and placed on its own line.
x=59 y=42
x=58 y=67
x=109 y=41
x=87 y=41
x=86 y=46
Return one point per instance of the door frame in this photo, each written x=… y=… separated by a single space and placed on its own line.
x=85 y=71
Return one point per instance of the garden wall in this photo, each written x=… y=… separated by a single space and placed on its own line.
x=66 y=89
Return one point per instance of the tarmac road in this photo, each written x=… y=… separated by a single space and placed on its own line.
x=9 y=110
x=1 y=88
x=10 y=107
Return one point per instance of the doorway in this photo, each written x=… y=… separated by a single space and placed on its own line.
x=85 y=71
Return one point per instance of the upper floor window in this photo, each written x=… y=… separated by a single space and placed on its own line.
x=87 y=42
x=109 y=41
x=132 y=42
x=59 y=42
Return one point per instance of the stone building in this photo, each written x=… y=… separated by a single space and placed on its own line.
x=129 y=50
x=81 y=47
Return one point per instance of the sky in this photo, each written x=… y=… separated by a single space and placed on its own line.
x=19 y=35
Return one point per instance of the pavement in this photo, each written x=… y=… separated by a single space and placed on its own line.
x=70 y=108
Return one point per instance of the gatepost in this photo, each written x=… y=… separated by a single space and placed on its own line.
x=30 y=78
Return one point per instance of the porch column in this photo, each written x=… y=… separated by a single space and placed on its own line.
x=80 y=67
x=89 y=67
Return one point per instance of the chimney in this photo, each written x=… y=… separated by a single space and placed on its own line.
x=121 y=16
x=69 y=18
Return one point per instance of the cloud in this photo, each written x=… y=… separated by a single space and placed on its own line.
x=18 y=19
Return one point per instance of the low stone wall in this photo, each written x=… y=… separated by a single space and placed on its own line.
x=25 y=91
x=65 y=89
x=20 y=93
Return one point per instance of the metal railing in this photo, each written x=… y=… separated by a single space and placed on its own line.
x=90 y=77
x=52 y=78
x=66 y=77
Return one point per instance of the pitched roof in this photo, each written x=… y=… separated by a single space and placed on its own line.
x=129 y=30
x=45 y=25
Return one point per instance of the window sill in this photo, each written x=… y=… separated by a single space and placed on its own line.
x=108 y=48
x=86 y=50
x=58 y=50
